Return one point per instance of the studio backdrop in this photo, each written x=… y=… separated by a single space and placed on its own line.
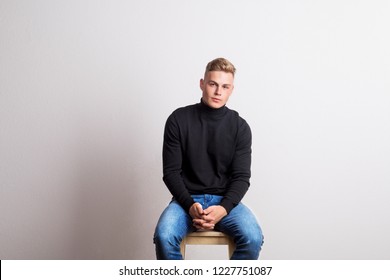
x=86 y=87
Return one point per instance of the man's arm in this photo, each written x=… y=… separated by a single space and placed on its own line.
x=240 y=168
x=172 y=164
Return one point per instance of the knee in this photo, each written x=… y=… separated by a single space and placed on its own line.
x=258 y=240
x=166 y=238
x=253 y=238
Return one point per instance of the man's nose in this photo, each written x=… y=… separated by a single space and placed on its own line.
x=217 y=91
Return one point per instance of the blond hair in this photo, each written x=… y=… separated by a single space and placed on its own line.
x=220 y=64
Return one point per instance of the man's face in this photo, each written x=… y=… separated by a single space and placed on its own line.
x=217 y=86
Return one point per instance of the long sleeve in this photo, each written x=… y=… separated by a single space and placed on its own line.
x=240 y=169
x=172 y=164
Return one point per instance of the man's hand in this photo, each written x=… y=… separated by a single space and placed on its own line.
x=209 y=217
x=214 y=214
x=196 y=211
x=197 y=214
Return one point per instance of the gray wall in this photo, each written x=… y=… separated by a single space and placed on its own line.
x=86 y=87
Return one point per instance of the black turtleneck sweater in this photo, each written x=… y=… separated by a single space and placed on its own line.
x=207 y=151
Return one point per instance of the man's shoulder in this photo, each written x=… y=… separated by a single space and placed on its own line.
x=234 y=114
x=184 y=109
x=181 y=114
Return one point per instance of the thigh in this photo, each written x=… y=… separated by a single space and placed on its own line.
x=240 y=222
x=174 y=221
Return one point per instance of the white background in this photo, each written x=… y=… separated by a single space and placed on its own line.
x=86 y=87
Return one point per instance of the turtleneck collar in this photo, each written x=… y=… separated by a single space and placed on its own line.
x=211 y=111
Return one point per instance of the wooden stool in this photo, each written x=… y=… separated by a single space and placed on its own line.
x=209 y=237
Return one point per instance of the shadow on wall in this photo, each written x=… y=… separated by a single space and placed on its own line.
x=111 y=219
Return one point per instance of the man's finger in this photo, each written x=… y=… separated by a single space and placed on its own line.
x=198 y=221
x=208 y=218
x=208 y=226
x=198 y=208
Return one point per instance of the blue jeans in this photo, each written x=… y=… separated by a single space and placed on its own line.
x=240 y=223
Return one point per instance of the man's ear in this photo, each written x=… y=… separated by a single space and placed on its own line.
x=201 y=84
x=231 y=91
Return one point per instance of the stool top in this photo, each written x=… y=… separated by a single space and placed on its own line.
x=205 y=233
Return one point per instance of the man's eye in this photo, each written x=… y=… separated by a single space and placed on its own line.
x=226 y=87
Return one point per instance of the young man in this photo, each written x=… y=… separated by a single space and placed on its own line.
x=206 y=167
